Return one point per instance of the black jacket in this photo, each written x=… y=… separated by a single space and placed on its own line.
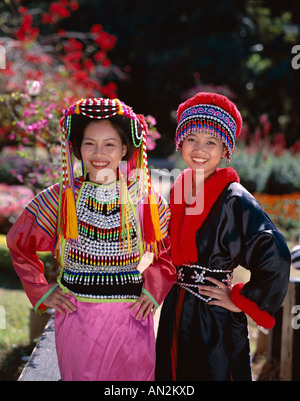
x=210 y=342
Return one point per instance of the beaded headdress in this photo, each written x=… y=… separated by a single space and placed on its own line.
x=209 y=113
x=136 y=169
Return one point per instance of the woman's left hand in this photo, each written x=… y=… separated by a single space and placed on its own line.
x=221 y=294
x=147 y=306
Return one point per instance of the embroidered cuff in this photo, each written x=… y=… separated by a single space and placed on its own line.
x=261 y=318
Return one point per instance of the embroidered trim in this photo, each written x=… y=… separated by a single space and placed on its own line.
x=209 y=119
x=190 y=277
x=44 y=208
x=215 y=112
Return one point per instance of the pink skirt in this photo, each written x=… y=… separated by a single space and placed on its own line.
x=104 y=342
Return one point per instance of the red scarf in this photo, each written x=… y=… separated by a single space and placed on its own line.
x=183 y=223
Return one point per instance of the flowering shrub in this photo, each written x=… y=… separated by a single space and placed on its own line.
x=31 y=169
x=264 y=163
x=261 y=140
x=284 y=210
x=13 y=199
x=37 y=50
x=47 y=69
x=154 y=135
x=267 y=173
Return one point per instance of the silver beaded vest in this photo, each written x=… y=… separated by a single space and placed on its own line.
x=97 y=266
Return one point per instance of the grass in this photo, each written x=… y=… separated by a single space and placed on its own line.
x=16 y=306
x=14 y=337
x=14 y=331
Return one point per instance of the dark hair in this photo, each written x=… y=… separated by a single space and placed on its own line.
x=79 y=122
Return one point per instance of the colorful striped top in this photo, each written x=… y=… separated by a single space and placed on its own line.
x=102 y=264
x=45 y=207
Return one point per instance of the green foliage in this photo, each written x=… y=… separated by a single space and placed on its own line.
x=6 y=267
x=249 y=168
x=267 y=173
x=284 y=175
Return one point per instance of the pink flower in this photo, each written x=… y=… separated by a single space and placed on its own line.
x=20 y=178
x=151 y=120
x=21 y=124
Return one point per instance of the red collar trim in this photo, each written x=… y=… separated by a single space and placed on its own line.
x=187 y=219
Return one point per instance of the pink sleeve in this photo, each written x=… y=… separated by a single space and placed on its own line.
x=160 y=276
x=24 y=239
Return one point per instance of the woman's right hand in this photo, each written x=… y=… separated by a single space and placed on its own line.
x=58 y=300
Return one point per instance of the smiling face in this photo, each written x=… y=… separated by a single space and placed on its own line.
x=203 y=151
x=101 y=151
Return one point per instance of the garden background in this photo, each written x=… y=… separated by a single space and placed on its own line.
x=152 y=55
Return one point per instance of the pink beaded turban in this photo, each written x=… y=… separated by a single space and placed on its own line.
x=209 y=113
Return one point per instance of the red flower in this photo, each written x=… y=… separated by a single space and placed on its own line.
x=106 y=63
x=32 y=58
x=73 y=56
x=267 y=128
x=27 y=21
x=22 y=10
x=59 y=11
x=9 y=70
x=109 y=90
x=81 y=76
x=106 y=41
x=89 y=65
x=97 y=28
x=295 y=149
x=47 y=18
x=26 y=32
x=74 y=5
x=33 y=34
x=34 y=75
x=279 y=139
x=73 y=44
x=100 y=56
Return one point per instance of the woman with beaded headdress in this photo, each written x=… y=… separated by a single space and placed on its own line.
x=215 y=226
x=99 y=226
